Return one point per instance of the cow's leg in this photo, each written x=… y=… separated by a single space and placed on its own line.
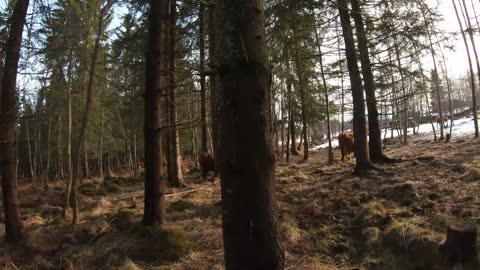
x=343 y=152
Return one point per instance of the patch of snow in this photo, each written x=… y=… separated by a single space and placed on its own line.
x=461 y=127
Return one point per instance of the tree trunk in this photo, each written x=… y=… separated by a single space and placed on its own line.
x=437 y=84
x=156 y=81
x=246 y=153
x=405 y=98
x=175 y=166
x=86 y=170
x=375 y=136
x=303 y=108
x=460 y=245
x=291 y=120
x=13 y=230
x=88 y=106
x=213 y=73
x=203 y=101
x=100 y=156
x=472 y=78
x=60 y=170
x=363 y=163
x=135 y=157
x=474 y=47
x=47 y=171
x=325 y=88
x=30 y=158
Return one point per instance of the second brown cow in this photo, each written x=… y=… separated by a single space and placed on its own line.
x=207 y=164
x=346 y=142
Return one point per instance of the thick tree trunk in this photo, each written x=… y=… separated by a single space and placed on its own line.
x=460 y=245
x=175 y=164
x=246 y=153
x=13 y=230
x=375 y=136
x=363 y=163
x=156 y=81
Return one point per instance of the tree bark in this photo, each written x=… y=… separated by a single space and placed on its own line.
x=213 y=73
x=13 y=230
x=437 y=84
x=474 y=47
x=88 y=106
x=246 y=153
x=60 y=170
x=303 y=108
x=156 y=81
x=325 y=88
x=362 y=162
x=46 y=174
x=100 y=156
x=175 y=166
x=375 y=136
x=405 y=98
x=203 y=101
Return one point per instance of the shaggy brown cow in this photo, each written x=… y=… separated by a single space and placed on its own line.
x=346 y=144
x=439 y=121
x=207 y=164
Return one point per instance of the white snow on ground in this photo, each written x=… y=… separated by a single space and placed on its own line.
x=461 y=127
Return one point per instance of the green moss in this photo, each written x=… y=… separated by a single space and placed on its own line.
x=140 y=230
x=155 y=244
x=53 y=221
x=180 y=206
x=171 y=244
x=124 y=181
x=126 y=212
x=91 y=189
x=111 y=187
x=404 y=193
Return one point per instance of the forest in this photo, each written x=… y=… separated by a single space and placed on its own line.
x=239 y=135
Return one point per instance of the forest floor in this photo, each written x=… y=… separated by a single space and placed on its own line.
x=328 y=218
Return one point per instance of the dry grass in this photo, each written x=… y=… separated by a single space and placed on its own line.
x=328 y=219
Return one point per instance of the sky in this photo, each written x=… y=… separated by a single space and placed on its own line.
x=457 y=63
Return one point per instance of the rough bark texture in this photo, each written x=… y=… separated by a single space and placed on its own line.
x=361 y=152
x=13 y=230
x=246 y=153
x=375 y=136
x=155 y=83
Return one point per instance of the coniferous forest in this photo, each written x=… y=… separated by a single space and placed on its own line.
x=239 y=135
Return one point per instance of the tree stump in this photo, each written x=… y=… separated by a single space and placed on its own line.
x=448 y=137
x=460 y=245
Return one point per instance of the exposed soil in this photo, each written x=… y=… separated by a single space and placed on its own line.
x=328 y=218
